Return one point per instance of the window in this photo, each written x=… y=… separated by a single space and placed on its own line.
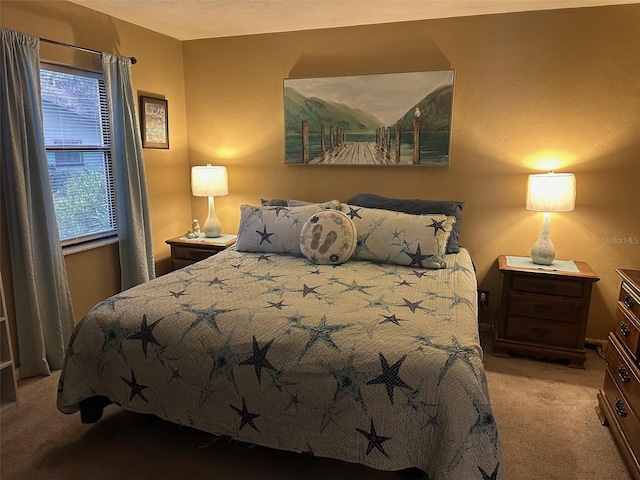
x=77 y=138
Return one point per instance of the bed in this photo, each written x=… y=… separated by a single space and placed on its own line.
x=362 y=359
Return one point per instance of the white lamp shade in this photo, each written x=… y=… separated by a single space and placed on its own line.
x=209 y=181
x=551 y=192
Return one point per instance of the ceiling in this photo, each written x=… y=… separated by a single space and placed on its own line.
x=194 y=19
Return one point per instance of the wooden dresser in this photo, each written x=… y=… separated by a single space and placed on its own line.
x=543 y=313
x=619 y=398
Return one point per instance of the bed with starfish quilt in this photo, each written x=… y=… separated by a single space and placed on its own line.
x=359 y=360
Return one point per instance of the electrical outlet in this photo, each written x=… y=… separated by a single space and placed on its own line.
x=483 y=298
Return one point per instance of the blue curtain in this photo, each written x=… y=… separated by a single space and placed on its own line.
x=132 y=205
x=44 y=314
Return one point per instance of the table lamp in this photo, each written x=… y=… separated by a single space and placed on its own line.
x=549 y=192
x=210 y=181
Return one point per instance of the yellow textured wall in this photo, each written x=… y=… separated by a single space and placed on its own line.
x=533 y=91
x=94 y=275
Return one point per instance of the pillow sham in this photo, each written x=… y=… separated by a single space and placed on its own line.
x=394 y=237
x=416 y=207
x=272 y=229
x=331 y=204
x=274 y=202
x=328 y=237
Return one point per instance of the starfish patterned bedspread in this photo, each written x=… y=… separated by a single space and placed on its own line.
x=363 y=362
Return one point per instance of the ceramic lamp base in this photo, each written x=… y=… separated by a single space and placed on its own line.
x=543 y=252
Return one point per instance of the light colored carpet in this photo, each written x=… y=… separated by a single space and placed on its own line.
x=545 y=414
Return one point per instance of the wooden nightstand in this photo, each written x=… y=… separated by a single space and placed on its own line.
x=185 y=251
x=544 y=313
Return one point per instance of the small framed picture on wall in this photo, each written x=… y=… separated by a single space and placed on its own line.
x=154 y=122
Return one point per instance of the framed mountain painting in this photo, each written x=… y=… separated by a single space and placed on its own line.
x=385 y=119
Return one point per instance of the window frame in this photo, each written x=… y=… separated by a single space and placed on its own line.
x=90 y=240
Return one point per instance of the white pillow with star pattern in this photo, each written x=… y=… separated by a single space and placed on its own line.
x=273 y=229
x=399 y=238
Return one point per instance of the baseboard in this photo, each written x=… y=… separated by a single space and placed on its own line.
x=597 y=344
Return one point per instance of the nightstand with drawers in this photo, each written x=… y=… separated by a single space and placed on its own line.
x=185 y=251
x=543 y=313
x=619 y=398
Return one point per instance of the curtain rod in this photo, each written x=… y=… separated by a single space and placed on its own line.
x=96 y=52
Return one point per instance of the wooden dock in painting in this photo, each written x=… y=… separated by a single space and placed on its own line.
x=343 y=152
x=355 y=153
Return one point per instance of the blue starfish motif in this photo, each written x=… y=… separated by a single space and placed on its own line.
x=485 y=423
x=136 y=388
x=354 y=287
x=264 y=236
x=375 y=441
x=145 y=335
x=391 y=319
x=413 y=306
x=224 y=359
x=379 y=303
x=436 y=226
x=353 y=212
x=293 y=401
x=114 y=334
x=322 y=332
x=208 y=316
x=278 y=290
x=390 y=376
x=247 y=418
x=217 y=281
x=417 y=258
x=259 y=358
x=396 y=234
x=460 y=268
x=177 y=294
x=418 y=274
x=306 y=290
x=111 y=302
x=457 y=353
x=348 y=380
x=277 y=305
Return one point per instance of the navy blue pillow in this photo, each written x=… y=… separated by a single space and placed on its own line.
x=416 y=207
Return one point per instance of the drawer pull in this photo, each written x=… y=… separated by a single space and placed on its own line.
x=547 y=307
x=629 y=301
x=620 y=410
x=624 y=329
x=623 y=374
x=543 y=332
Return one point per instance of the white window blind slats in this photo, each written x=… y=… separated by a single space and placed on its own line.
x=78 y=144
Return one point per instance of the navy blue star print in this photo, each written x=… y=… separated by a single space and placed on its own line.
x=417 y=258
x=136 y=388
x=353 y=213
x=264 y=236
x=246 y=416
x=389 y=376
x=375 y=441
x=145 y=335
x=436 y=226
x=259 y=358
